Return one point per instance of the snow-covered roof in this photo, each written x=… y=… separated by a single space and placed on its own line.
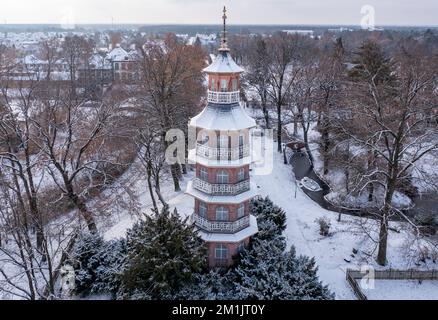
x=97 y=61
x=118 y=54
x=31 y=59
x=223 y=117
x=224 y=63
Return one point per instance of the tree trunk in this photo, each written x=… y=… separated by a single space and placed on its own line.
x=173 y=170
x=383 y=240
x=266 y=113
x=82 y=208
x=151 y=190
x=279 y=128
x=383 y=234
x=306 y=144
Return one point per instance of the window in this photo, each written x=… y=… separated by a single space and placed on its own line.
x=221 y=252
x=223 y=141
x=202 y=209
x=116 y=66
x=241 y=210
x=241 y=246
x=203 y=174
x=222 y=214
x=222 y=176
x=223 y=85
x=234 y=84
x=213 y=85
x=241 y=140
x=241 y=174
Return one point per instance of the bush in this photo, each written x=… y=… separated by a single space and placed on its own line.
x=324 y=226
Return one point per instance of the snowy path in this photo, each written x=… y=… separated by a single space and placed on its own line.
x=302 y=230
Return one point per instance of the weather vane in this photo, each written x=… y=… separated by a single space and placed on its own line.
x=224 y=46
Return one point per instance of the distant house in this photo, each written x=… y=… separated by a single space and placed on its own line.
x=97 y=71
x=124 y=64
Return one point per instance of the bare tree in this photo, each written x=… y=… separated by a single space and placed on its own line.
x=170 y=85
x=391 y=104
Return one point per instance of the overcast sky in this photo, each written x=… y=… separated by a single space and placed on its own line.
x=387 y=12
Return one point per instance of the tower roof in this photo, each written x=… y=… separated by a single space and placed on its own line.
x=223 y=117
x=224 y=63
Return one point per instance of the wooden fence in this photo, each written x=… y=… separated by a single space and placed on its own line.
x=390 y=274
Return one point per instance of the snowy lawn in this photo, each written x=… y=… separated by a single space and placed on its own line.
x=302 y=231
x=403 y=290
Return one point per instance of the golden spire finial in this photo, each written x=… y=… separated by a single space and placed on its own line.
x=224 y=46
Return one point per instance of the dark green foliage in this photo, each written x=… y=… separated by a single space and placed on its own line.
x=372 y=65
x=266 y=211
x=98 y=264
x=163 y=254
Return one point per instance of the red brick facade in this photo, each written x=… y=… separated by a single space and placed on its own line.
x=233 y=249
x=216 y=80
x=232 y=209
x=233 y=173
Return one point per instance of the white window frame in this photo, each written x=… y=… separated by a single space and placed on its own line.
x=222 y=214
x=223 y=141
x=224 y=85
x=221 y=252
x=203 y=209
x=222 y=177
x=241 y=210
x=234 y=84
x=203 y=174
x=241 y=174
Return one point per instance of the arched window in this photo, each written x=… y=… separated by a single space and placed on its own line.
x=241 y=174
x=241 y=210
x=203 y=174
x=223 y=141
x=221 y=252
x=222 y=214
x=234 y=84
x=241 y=140
x=224 y=85
x=202 y=209
x=222 y=176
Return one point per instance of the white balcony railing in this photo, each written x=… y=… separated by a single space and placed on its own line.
x=223 y=97
x=220 y=226
x=221 y=189
x=235 y=153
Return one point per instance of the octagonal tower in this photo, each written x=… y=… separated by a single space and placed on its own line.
x=222 y=188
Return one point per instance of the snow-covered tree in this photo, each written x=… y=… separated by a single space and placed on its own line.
x=98 y=264
x=266 y=211
x=163 y=254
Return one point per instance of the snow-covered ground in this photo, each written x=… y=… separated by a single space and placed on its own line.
x=302 y=230
x=403 y=290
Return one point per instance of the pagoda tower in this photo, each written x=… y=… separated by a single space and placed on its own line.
x=222 y=188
